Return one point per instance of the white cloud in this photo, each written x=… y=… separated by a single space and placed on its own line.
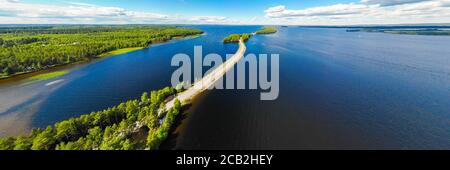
x=81 y=13
x=211 y=20
x=338 y=9
x=391 y=2
x=72 y=12
x=208 y=19
x=362 y=12
x=276 y=9
x=81 y=4
x=366 y=12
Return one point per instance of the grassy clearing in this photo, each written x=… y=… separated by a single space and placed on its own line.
x=120 y=51
x=47 y=76
x=186 y=37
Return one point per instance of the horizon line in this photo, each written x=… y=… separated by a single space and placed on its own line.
x=306 y=25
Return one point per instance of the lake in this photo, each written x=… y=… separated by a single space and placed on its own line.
x=338 y=90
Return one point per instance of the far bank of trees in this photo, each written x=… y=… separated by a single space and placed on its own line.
x=234 y=38
x=30 y=49
x=266 y=30
x=135 y=124
x=428 y=31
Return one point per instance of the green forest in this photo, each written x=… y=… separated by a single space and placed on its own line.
x=266 y=30
x=133 y=125
x=234 y=38
x=28 y=49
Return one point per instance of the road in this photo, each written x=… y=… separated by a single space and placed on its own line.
x=210 y=79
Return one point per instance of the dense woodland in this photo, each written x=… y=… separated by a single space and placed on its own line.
x=234 y=38
x=266 y=30
x=131 y=125
x=26 y=49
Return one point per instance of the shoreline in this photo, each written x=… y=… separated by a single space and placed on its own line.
x=180 y=122
x=195 y=92
x=24 y=75
x=26 y=78
x=210 y=79
x=199 y=87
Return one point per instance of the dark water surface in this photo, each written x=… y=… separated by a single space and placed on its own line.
x=338 y=90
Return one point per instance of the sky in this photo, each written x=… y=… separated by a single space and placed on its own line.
x=234 y=12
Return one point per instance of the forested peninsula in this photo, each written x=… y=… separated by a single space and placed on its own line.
x=28 y=49
x=141 y=124
x=267 y=30
x=234 y=38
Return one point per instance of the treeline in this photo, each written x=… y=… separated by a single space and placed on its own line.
x=132 y=125
x=428 y=31
x=26 y=40
x=26 y=50
x=266 y=30
x=234 y=38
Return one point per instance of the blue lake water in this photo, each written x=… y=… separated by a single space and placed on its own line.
x=338 y=90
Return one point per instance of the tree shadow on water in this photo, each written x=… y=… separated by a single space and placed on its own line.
x=171 y=142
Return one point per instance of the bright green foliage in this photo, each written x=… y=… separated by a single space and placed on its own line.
x=7 y=143
x=267 y=30
x=158 y=135
x=177 y=104
x=119 y=51
x=67 y=129
x=245 y=37
x=47 y=76
x=115 y=128
x=234 y=38
x=23 y=143
x=45 y=140
x=26 y=49
x=144 y=98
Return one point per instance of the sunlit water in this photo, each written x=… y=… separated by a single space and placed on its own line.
x=338 y=90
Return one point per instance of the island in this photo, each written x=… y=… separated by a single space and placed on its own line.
x=132 y=125
x=427 y=31
x=266 y=30
x=25 y=49
x=234 y=38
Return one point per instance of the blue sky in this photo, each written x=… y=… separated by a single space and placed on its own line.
x=295 y=12
x=230 y=8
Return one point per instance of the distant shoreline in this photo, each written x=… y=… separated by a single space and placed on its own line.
x=426 y=32
x=384 y=26
x=98 y=57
